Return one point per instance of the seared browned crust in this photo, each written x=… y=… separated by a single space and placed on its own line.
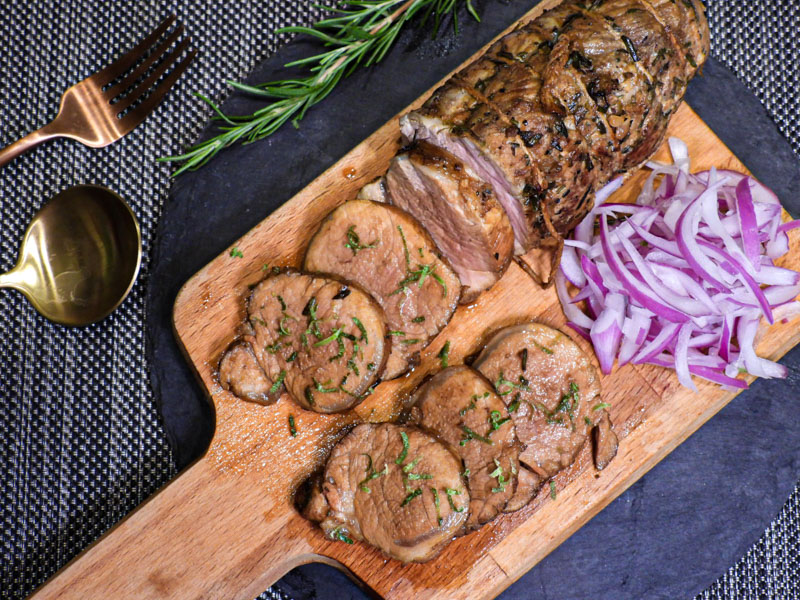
x=567 y=102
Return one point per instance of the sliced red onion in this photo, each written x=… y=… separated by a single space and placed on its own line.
x=606 y=331
x=683 y=276
x=746 y=212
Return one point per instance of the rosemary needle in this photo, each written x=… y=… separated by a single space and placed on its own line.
x=359 y=33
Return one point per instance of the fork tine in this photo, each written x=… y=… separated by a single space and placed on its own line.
x=137 y=115
x=107 y=74
x=145 y=85
x=130 y=79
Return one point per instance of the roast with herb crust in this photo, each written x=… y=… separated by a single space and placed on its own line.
x=389 y=254
x=322 y=340
x=564 y=103
x=460 y=407
x=552 y=391
x=394 y=487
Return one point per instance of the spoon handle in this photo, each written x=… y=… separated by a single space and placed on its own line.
x=23 y=145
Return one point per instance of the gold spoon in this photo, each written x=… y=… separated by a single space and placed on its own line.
x=79 y=257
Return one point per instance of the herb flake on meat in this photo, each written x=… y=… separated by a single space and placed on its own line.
x=278 y=382
x=444 y=355
x=354 y=242
x=411 y=496
x=402 y=456
x=470 y=435
x=450 y=493
x=372 y=474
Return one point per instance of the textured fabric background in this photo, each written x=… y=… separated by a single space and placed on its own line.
x=80 y=440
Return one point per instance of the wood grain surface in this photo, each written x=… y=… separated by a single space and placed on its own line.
x=227 y=527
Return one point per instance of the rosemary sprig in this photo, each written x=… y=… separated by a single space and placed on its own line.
x=360 y=33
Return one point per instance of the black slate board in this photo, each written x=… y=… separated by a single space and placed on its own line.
x=673 y=532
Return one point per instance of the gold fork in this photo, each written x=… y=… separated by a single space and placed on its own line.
x=109 y=104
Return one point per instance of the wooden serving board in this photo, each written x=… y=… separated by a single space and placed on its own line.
x=227 y=527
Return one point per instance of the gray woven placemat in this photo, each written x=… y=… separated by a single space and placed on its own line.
x=80 y=441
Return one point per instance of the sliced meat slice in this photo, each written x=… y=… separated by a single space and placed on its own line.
x=389 y=254
x=240 y=373
x=551 y=389
x=325 y=342
x=460 y=407
x=460 y=211
x=528 y=484
x=605 y=442
x=375 y=191
x=395 y=487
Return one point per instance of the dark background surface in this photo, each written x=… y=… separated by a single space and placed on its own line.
x=81 y=441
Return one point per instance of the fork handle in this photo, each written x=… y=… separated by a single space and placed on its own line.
x=29 y=141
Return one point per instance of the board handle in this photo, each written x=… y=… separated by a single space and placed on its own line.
x=207 y=534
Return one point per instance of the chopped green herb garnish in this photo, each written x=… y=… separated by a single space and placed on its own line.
x=283 y=304
x=436 y=503
x=553 y=490
x=601 y=406
x=370 y=366
x=265 y=267
x=588 y=422
x=320 y=387
x=402 y=456
x=496 y=421
x=444 y=354
x=337 y=534
x=397 y=333
x=354 y=242
x=544 y=349
x=514 y=404
x=353 y=367
x=236 y=253
x=466 y=473
x=419 y=319
x=503 y=381
x=309 y=394
x=331 y=338
x=416 y=476
x=362 y=329
x=471 y=435
x=372 y=474
x=276 y=386
x=524 y=359
x=470 y=406
x=410 y=342
x=292 y=357
x=258 y=320
x=411 y=496
x=292 y=428
x=450 y=493
x=501 y=481
x=282 y=329
x=405 y=248
x=339 y=352
x=420 y=275
x=411 y=465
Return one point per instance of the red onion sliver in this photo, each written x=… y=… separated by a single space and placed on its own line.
x=682 y=273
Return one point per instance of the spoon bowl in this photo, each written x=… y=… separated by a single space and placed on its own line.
x=80 y=256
